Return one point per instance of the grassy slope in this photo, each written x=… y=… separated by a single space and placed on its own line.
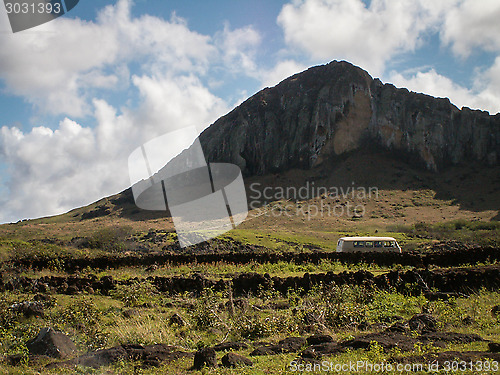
x=404 y=197
x=415 y=207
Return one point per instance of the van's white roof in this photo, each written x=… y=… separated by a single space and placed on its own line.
x=368 y=239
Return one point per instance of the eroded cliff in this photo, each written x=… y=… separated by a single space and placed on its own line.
x=327 y=111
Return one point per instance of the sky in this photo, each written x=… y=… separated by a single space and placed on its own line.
x=80 y=93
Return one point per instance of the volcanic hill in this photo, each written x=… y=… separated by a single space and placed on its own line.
x=336 y=126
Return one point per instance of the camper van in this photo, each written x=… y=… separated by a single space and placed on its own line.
x=353 y=244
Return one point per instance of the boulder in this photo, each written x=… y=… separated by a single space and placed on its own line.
x=235 y=360
x=287 y=345
x=494 y=347
x=151 y=355
x=51 y=343
x=495 y=311
x=423 y=323
x=319 y=339
x=29 y=308
x=177 y=320
x=205 y=357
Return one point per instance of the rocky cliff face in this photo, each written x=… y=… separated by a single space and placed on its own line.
x=330 y=110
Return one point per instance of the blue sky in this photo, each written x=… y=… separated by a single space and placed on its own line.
x=78 y=94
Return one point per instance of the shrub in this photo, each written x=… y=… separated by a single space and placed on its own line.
x=85 y=317
x=135 y=294
x=206 y=314
x=258 y=325
x=110 y=239
x=345 y=305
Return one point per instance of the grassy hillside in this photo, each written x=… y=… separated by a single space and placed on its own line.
x=70 y=265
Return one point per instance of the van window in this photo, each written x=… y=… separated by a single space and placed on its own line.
x=388 y=243
x=368 y=244
x=377 y=244
x=358 y=243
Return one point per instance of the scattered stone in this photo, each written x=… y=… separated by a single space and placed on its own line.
x=51 y=343
x=494 y=347
x=495 y=311
x=72 y=289
x=41 y=287
x=205 y=357
x=263 y=350
x=29 y=308
x=388 y=340
x=440 y=338
x=89 y=290
x=231 y=345
x=151 y=355
x=291 y=344
x=319 y=339
x=235 y=360
x=288 y=345
x=131 y=312
x=15 y=359
x=176 y=319
x=422 y=323
x=63 y=287
x=317 y=351
x=398 y=327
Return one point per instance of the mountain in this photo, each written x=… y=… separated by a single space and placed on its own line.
x=328 y=111
x=334 y=127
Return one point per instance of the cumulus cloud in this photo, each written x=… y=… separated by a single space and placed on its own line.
x=283 y=69
x=366 y=35
x=54 y=66
x=239 y=47
x=369 y=34
x=485 y=95
x=472 y=24
x=62 y=68
x=52 y=171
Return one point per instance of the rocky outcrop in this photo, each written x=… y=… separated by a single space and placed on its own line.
x=51 y=343
x=330 y=110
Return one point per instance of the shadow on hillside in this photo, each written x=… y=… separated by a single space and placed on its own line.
x=472 y=187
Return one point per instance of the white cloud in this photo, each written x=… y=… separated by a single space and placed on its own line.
x=171 y=103
x=371 y=34
x=52 y=171
x=239 y=48
x=482 y=96
x=53 y=65
x=283 y=69
x=472 y=24
x=367 y=36
x=63 y=66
